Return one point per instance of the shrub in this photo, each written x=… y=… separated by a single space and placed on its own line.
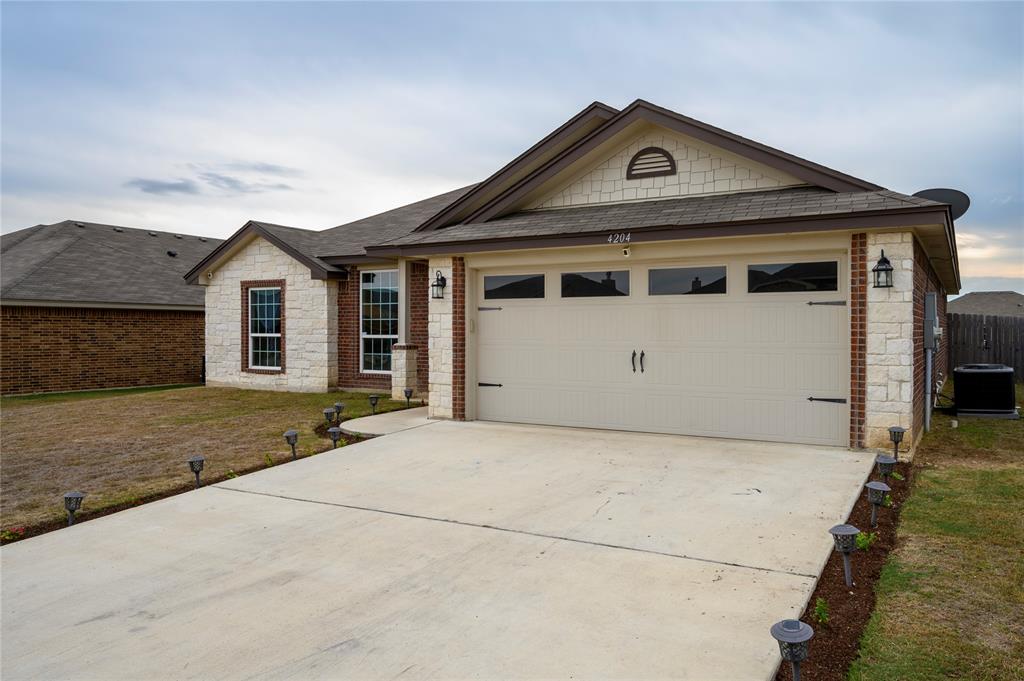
x=820 y=613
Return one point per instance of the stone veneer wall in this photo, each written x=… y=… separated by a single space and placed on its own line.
x=858 y=336
x=447 y=342
x=310 y=330
x=890 y=340
x=925 y=281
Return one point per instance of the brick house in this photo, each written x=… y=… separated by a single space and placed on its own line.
x=87 y=306
x=634 y=270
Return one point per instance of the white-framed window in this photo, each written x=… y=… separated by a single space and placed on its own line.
x=265 y=328
x=378 y=319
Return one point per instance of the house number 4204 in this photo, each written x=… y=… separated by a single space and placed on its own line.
x=619 y=238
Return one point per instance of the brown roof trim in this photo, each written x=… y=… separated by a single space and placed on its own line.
x=909 y=217
x=594 y=110
x=316 y=269
x=640 y=110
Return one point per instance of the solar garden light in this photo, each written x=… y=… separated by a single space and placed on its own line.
x=408 y=397
x=896 y=436
x=845 y=537
x=291 y=437
x=195 y=464
x=886 y=464
x=334 y=432
x=329 y=414
x=373 y=402
x=338 y=408
x=876 y=495
x=72 y=502
x=793 y=637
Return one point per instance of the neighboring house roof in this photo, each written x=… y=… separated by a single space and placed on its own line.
x=84 y=263
x=998 y=303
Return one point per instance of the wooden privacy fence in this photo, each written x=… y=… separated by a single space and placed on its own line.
x=986 y=339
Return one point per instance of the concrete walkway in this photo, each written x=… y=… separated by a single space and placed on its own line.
x=387 y=423
x=461 y=550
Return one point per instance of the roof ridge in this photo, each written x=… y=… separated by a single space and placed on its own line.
x=133 y=229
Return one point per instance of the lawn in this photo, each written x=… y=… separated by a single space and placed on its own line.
x=124 y=447
x=951 y=598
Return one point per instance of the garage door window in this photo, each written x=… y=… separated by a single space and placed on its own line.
x=511 y=286
x=595 y=284
x=685 y=281
x=796 y=277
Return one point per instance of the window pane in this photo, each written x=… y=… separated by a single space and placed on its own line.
x=592 y=284
x=799 y=277
x=686 y=281
x=379 y=323
x=509 y=286
x=266 y=351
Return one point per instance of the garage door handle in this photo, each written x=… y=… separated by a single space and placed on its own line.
x=642 y=353
x=633 y=360
x=836 y=400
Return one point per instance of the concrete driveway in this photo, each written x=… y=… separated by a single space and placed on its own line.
x=451 y=550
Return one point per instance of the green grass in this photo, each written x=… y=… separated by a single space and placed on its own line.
x=43 y=398
x=951 y=597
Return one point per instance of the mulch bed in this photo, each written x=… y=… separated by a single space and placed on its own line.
x=835 y=643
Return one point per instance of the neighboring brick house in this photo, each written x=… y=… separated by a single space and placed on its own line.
x=634 y=270
x=85 y=306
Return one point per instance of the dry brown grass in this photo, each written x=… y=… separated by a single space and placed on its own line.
x=123 y=448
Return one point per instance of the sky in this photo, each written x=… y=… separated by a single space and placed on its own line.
x=195 y=117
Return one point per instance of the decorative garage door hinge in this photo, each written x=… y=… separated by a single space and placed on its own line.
x=827 y=302
x=836 y=400
x=489 y=385
x=488 y=309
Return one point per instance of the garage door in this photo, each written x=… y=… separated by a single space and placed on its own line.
x=754 y=349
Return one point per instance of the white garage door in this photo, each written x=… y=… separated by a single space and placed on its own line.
x=754 y=349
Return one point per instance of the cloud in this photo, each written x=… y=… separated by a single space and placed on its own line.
x=262 y=168
x=235 y=185
x=182 y=186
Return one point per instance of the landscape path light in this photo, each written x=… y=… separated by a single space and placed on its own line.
x=373 y=402
x=72 y=502
x=408 y=397
x=845 y=537
x=329 y=414
x=876 y=496
x=886 y=464
x=896 y=437
x=338 y=408
x=793 y=637
x=292 y=438
x=195 y=464
x=334 y=432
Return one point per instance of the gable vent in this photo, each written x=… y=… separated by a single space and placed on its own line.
x=650 y=162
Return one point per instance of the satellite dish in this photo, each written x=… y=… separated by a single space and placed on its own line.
x=957 y=200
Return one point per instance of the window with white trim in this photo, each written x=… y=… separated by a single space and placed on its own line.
x=265 y=328
x=378 y=319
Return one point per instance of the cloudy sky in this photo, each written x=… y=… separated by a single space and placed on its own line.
x=195 y=117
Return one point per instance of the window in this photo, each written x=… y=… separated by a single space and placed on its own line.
x=650 y=162
x=378 y=319
x=265 y=328
x=685 y=281
x=595 y=284
x=797 y=277
x=510 y=286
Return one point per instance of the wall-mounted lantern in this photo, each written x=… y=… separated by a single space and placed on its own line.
x=883 y=272
x=437 y=288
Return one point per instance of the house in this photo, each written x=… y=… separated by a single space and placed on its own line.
x=635 y=269
x=89 y=306
x=993 y=303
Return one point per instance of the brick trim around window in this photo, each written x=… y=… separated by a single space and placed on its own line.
x=260 y=283
x=858 y=336
x=459 y=339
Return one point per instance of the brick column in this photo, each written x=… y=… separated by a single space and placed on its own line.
x=858 y=336
x=458 y=339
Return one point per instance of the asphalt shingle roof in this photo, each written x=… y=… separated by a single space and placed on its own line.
x=85 y=262
x=999 y=303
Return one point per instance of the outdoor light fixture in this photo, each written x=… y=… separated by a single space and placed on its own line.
x=291 y=437
x=195 y=464
x=883 y=272
x=845 y=537
x=329 y=414
x=338 y=408
x=72 y=502
x=437 y=288
x=334 y=432
x=876 y=496
x=896 y=436
x=886 y=464
x=373 y=402
x=408 y=397
x=793 y=637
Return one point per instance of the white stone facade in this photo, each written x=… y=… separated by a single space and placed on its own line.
x=890 y=340
x=310 y=324
x=701 y=169
x=403 y=370
x=441 y=345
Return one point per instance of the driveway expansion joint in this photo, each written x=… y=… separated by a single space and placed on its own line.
x=528 y=533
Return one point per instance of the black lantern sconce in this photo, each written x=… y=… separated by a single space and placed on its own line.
x=883 y=272
x=896 y=437
x=292 y=437
x=195 y=464
x=437 y=288
x=72 y=502
x=793 y=637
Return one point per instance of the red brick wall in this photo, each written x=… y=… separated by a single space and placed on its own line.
x=53 y=349
x=459 y=339
x=858 y=336
x=925 y=281
x=419 y=301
